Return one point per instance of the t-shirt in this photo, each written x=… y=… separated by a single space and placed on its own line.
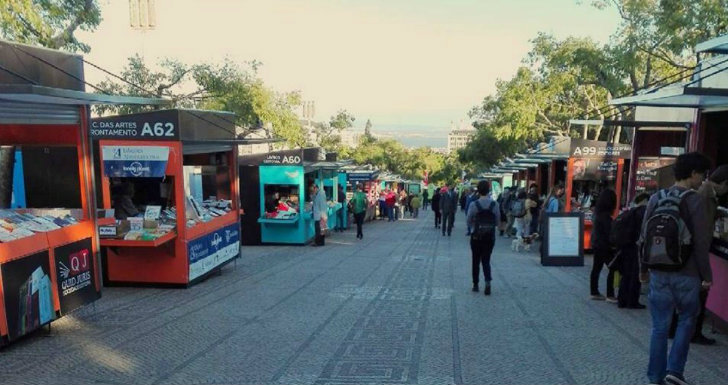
x=359 y=202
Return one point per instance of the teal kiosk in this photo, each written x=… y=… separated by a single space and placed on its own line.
x=276 y=197
x=331 y=177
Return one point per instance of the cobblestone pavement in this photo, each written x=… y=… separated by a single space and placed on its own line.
x=395 y=307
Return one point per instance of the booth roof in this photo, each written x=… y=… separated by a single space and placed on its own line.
x=28 y=93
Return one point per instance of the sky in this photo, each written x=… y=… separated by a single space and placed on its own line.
x=404 y=64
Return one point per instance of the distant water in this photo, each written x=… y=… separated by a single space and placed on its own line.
x=415 y=136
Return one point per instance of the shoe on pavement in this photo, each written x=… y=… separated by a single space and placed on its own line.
x=675 y=379
x=476 y=288
x=598 y=297
x=611 y=300
x=487 y=290
x=703 y=340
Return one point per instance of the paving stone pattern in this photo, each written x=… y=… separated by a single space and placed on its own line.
x=394 y=308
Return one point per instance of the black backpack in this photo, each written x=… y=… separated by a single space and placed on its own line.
x=485 y=222
x=625 y=228
x=666 y=241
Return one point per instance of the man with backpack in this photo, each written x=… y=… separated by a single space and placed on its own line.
x=674 y=248
x=483 y=218
x=624 y=236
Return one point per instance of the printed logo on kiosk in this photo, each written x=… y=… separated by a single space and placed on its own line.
x=212 y=250
x=74 y=266
x=135 y=161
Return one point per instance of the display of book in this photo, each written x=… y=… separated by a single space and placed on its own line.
x=17 y=224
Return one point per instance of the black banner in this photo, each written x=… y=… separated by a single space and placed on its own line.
x=582 y=148
x=27 y=293
x=595 y=169
x=157 y=125
x=75 y=275
x=654 y=174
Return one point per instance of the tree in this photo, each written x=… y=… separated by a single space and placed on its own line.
x=225 y=87
x=49 y=23
x=368 y=130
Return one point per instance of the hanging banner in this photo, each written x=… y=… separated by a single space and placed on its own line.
x=212 y=250
x=135 y=161
x=27 y=293
x=75 y=270
x=582 y=148
x=654 y=174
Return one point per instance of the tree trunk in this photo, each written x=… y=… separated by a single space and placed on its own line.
x=7 y=163
x=585 y=131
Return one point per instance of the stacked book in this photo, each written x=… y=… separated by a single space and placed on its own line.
x=16 y=225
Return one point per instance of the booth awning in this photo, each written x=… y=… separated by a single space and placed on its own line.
x=677 y=96
x=28 y=93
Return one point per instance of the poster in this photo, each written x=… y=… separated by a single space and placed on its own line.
x=653 y=174
x=27 y=292
x=75 y=270
x=564 y=236
x=210 y=251
x=595 y=169
x=135 y=161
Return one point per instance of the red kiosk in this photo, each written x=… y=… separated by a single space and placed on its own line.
x=172 y=179
x=48 y=239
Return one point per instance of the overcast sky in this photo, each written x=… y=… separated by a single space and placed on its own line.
x=398 y=62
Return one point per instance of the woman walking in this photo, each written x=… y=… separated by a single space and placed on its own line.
x=415 y=203
x=359 y=207
x=603 y=253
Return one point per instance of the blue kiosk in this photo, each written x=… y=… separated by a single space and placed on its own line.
x=276 y=195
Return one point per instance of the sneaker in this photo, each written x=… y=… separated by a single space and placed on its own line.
x=476 y=288
x=487 y=290
x=703 y=340
x=612 y=300
x=597 y=297
x=675 y=379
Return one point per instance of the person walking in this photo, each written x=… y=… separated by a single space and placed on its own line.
x=391 y=200
x=425 y=200
x=464 y=194
x=501 y=204
x=535 y=210
x=402 y=201
x=319 y=214
x=436 y=207
x=507 y=203
x=600 y=242
x=448 y=206
x=674 y=222
x=383 y=205
x=359 y=208
x=416 y=203
x=625 y=235
x=483 y=218
x=340 y=217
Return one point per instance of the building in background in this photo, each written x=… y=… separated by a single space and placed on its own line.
x=459 y=136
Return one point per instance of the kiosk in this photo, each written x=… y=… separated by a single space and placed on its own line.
x=277 y=203
x=170 y=177
x=366 y=176
x=48 y=240
x=692 y=117
x=593 y=166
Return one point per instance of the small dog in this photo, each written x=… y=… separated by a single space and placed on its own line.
x=516 y=244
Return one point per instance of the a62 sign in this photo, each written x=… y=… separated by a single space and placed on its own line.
x=158 y=129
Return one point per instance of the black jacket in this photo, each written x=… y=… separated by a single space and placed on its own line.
x=600 y=232
x=436 y=202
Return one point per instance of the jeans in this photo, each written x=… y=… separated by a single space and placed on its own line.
x=522 y=227
x=438 y=218
x=601 y=258
x=390 y=213
x=425 y=202
x=670 y=291
x=359 y=218
x=447 y=222
x=482 y=249
x=340 y=220
x=415 y=212
x=319 y=240
x=509 y=224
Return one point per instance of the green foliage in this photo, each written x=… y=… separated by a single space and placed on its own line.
x=342 y=120
x=574 y=78
x=48 y=23
x=225 y=87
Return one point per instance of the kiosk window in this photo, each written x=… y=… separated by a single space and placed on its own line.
x=276 y=194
